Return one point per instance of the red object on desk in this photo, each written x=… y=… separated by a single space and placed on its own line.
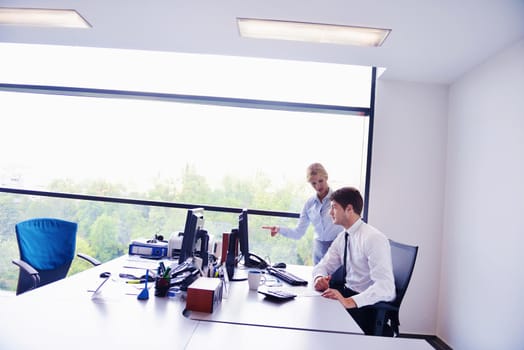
x=204 y=294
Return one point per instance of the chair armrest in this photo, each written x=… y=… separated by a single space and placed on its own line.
x=382 y=305
x=30 y=270
x=89 y=258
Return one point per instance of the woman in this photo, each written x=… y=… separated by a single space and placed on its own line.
x=315 y=212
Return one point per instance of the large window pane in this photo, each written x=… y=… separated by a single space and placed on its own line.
x=194 y=153
x=172 y=128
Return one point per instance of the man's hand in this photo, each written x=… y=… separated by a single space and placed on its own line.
x=322 y=283
x=348 y=303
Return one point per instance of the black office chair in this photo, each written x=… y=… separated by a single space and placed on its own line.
x=386 y=313
x=47 y=248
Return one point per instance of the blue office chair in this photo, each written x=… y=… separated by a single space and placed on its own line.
x=386 y=313
x=47 y=248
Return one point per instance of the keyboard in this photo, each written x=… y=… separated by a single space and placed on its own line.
x=286 y=276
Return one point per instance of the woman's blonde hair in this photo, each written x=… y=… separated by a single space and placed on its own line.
x=316 y=169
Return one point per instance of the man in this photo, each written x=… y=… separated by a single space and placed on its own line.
x=366 y=257
x=315 y=212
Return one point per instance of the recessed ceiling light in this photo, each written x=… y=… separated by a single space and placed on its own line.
x=42 y=18
x=311 y=32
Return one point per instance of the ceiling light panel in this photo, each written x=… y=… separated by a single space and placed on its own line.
x=42 y=18
x=311 y=32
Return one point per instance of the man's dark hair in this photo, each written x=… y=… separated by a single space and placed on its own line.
x=348 y=195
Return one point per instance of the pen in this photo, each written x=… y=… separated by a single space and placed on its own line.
x=135 y=281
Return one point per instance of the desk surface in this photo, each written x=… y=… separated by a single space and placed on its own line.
x=62 y=315
x=223 y=335
x=308 y=311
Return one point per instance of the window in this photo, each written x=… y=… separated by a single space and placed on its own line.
x=195 y=152
x=238 y=135
x=179 y=152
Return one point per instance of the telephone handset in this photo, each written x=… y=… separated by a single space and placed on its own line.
x=184 y=276
x=253 y=260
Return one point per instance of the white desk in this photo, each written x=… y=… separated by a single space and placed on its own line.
x=234 y=336
x=62 y=315
x=308 y=311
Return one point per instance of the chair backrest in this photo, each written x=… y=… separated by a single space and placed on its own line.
x=403 y=257
x=48 y=245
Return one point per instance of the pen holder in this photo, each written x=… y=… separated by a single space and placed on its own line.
x=161 y=286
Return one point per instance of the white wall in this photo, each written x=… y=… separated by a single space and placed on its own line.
x=448 y=176
x=407 y=186
x=482 y=283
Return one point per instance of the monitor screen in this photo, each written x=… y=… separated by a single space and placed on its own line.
x=240 y=238
x=231 y=257
x=194 y=223
x=243 y=240
x=250 y=260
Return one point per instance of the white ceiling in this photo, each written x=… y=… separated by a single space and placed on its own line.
x=431 y=41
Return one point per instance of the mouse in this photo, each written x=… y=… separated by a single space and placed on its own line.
x=280 y=265
x=105 y=274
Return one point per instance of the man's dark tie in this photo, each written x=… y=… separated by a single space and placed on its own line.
x=346 y=234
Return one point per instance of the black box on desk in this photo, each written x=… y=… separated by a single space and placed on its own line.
x=204 y=294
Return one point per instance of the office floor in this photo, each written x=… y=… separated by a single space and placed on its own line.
x=434 y=341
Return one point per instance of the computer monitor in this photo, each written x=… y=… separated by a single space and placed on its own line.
x=243 y=234
x=231 y=257
x=250 y=260
x=194 y=224
x=240 y=238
